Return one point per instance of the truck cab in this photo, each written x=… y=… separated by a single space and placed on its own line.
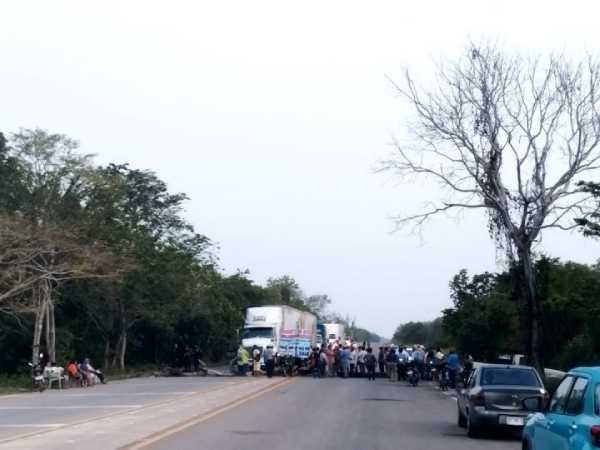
x=261 y=327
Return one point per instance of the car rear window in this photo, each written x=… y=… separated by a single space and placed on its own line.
x=506 y=376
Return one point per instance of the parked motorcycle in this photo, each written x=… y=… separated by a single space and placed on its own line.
x=37 y=377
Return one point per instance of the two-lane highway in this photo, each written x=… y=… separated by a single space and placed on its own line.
x=238 y=413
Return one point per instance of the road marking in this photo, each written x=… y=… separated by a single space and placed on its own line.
x=174 y=429
x=127 y=394
x=119 y=413
x=19 y=408
x=33 y=425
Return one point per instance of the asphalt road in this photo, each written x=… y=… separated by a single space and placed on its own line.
x=336 y=414
x=238 y=413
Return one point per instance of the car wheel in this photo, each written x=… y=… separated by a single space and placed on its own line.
x=462 y=420
x=472 y=430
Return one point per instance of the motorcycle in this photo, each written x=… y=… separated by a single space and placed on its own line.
x=429 y=372
x=402 y=365
x=413 y=375
x=444 y=379
x=37 y=377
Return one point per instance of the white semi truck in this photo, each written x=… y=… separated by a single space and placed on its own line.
x=291 y=332
x=333 y=332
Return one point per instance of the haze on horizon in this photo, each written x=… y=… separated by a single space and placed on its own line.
x=271 y=116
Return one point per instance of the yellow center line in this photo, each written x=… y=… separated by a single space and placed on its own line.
x=192 y=421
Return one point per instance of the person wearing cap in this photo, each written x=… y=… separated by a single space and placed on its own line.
x=269 y=358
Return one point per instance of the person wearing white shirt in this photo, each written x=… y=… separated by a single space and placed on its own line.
x=362 y=353
x=353 y=361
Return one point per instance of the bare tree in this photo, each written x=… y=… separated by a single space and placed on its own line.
x=35 y=260
x=510 y=135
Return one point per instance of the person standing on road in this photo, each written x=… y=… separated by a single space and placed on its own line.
x=345 y=361
x=453 y=365
x=323 y=362
x=381 y=361
x=439 y=362
x=403 y=360
x=361 y=361
x=242 y=361
x=392 y=364
x=467 y=369
x=255 y=360
x=353 y=360
x=314 y=360
x=419 y=359
x=269 y=360
x=370 y=361
x=331 y=360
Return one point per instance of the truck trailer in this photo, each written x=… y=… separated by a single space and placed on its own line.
x=333 y=332
x=290 y=331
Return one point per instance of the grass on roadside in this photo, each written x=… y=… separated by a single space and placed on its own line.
x=14 y=384
x=131 y=372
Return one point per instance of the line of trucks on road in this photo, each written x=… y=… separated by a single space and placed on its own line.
x=290 y=331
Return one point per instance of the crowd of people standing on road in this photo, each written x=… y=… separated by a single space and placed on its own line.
x=345 y=359
x=392 y=362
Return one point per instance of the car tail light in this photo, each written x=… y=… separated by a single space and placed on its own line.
x=478 y=399
x=595 y=432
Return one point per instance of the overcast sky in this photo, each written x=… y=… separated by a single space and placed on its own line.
x=271 y=116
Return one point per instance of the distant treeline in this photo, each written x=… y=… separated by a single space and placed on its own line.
x=97 y=261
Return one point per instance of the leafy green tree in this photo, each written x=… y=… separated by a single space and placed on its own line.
x=484 y=319
x=133 y=211
x=319 y=304
x=284 y=290
x=426 y=333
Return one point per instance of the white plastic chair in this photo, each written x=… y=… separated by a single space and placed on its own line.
x=55 y=375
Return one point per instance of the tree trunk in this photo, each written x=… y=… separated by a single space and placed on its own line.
x=116 y=353
x=121 y=347
x=38 y=326
x=122 y=350
x=533 y=311
x=51 y=333
x=47 y=325
x=50 y=337
x=106 y=363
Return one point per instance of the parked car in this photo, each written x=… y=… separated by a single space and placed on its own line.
x=571 y=419
x=499 y=396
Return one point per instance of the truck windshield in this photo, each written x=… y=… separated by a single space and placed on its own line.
x=250 y=333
